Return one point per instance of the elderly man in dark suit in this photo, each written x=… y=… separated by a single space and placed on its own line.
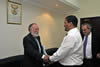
x=33 y=50
x=91 y=51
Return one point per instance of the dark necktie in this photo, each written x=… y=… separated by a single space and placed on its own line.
x=85 y=44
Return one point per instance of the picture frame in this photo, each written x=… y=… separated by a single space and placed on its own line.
x=14 y=12
x=16 y=1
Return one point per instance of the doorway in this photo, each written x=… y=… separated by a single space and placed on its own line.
x=95 y=23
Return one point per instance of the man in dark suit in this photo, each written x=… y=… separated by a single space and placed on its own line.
x=33 y=50
x=91 y=52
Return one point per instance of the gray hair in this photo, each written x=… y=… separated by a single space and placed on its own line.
x=88 y=25
x=29 y=27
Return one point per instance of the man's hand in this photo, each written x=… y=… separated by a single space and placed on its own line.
x=98 y=56
x=46 y=58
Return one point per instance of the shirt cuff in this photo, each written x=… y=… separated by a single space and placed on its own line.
x=50 y=58
x=43 y=56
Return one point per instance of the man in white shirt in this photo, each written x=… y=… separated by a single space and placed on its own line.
x=89 y=50
x=70 y=53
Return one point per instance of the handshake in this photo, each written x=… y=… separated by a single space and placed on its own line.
x=46 y=60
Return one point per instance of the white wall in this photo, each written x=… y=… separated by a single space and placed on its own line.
x=11 y=36
x=51 y=24
x=89 y=8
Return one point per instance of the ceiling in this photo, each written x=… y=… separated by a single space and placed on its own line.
x=60 y=6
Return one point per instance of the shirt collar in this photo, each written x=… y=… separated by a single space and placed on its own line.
x=71 y=31
x=89 y=34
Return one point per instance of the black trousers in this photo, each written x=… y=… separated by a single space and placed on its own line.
x=88 y=63
x=57 y=64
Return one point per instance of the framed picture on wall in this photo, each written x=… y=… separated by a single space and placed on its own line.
x=16 y=1
x=14 y=12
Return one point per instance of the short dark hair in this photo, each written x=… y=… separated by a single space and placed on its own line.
x=29 y=27
x=73 y=19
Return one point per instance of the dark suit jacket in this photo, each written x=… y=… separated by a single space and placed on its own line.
x=95 y=48
x=95 y=44
x=32 y=56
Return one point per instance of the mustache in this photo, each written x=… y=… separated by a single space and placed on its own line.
x=35 y=34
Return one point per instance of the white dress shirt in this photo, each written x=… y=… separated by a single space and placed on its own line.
x=88 y=46
x=71 y=50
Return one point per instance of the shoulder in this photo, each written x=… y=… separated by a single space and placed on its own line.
x=74 y=36
x=27 y=36
x=69 y=37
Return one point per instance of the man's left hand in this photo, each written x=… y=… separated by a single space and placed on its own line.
x=98 y=55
